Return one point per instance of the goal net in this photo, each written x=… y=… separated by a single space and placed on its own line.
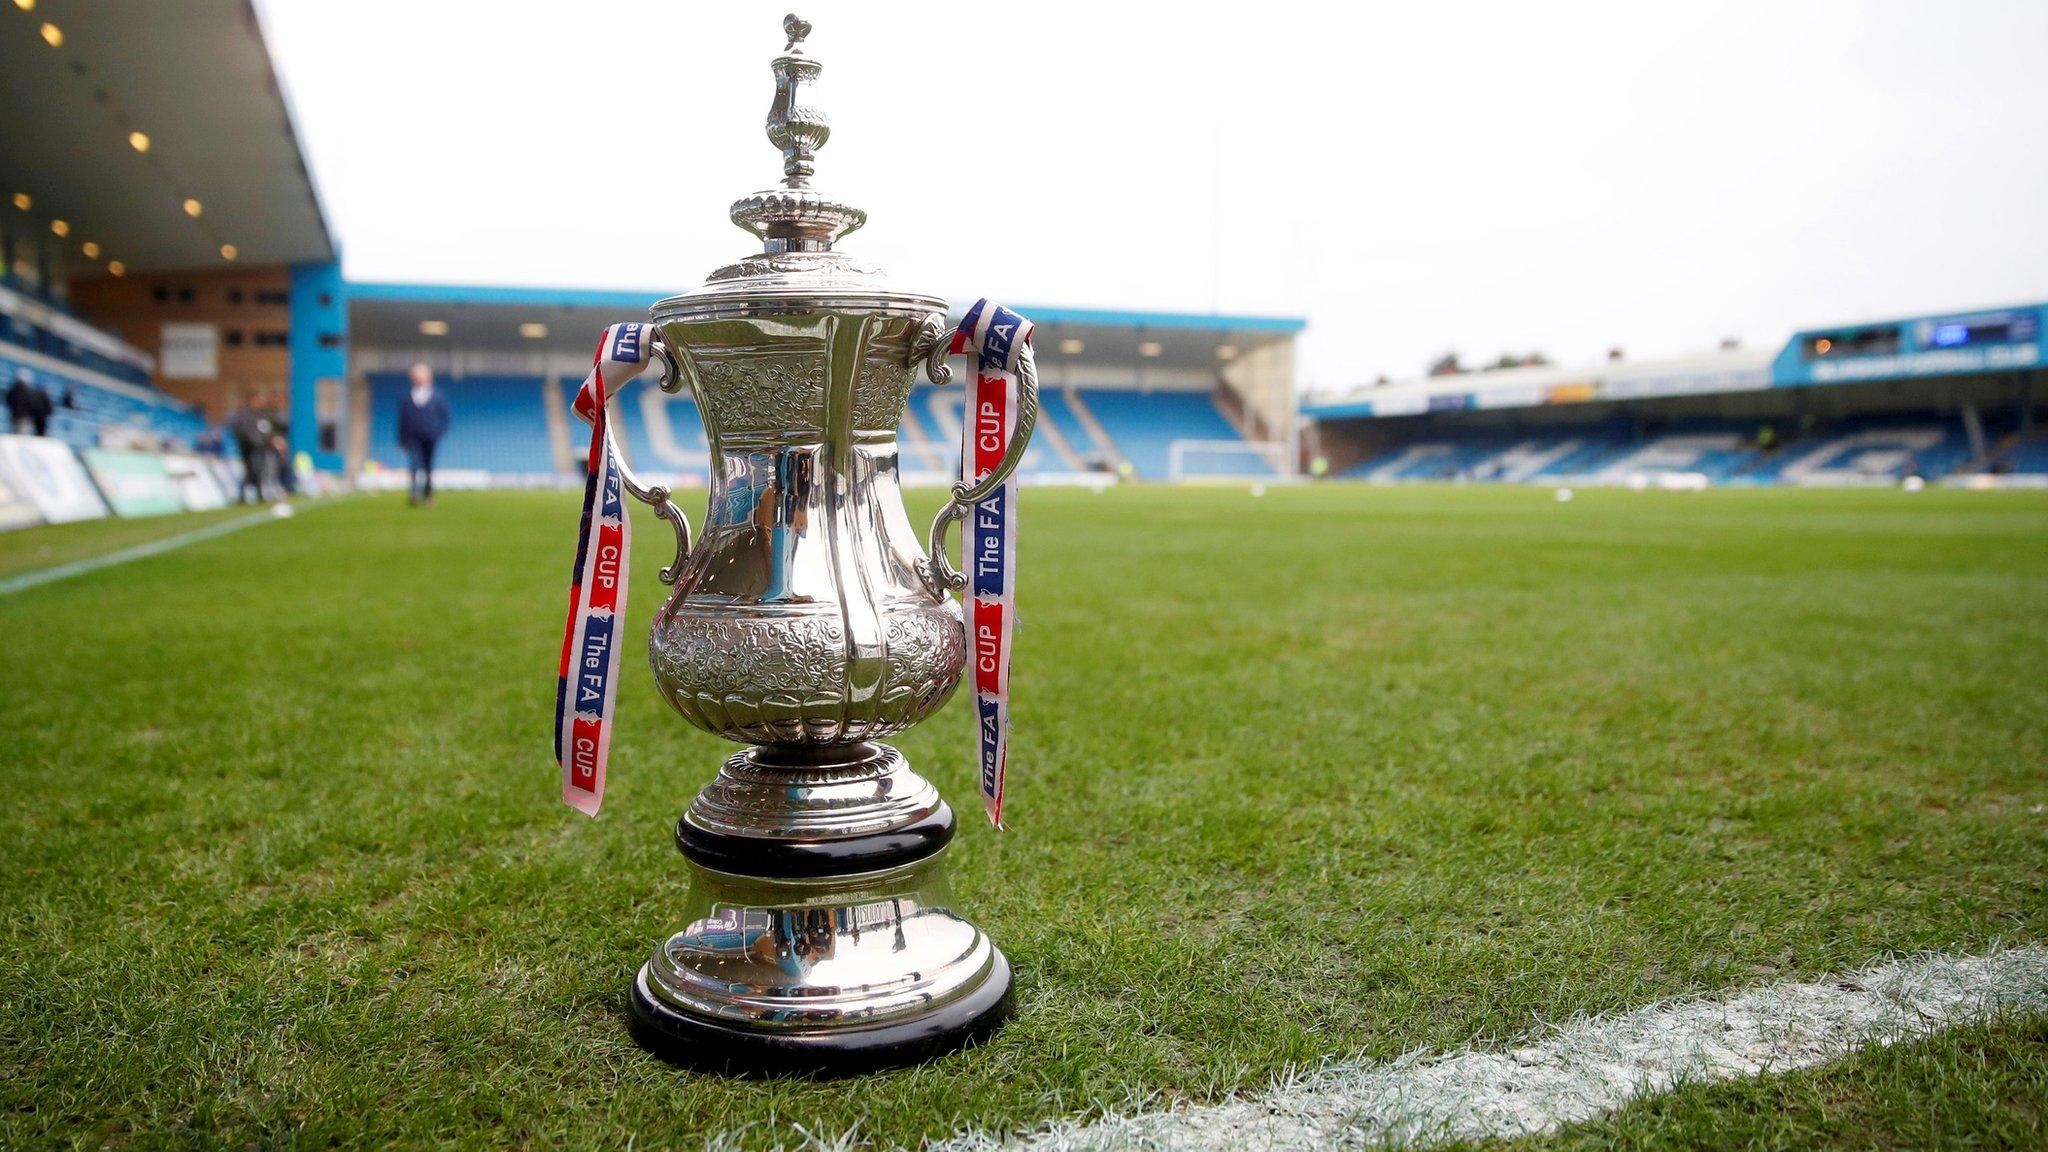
x=1225 y=460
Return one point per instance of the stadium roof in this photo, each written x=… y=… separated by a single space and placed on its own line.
x=1731 y=370
x=126 y=111
x=1985 y=340
x=490 y=318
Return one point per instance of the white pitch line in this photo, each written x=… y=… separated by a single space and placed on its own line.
x=54 y=573
x=1580 y=1071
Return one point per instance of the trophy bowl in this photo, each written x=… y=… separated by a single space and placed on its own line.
x=801 y=616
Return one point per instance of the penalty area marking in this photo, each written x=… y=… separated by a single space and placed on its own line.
x=51 y=575
x=1583 y=1069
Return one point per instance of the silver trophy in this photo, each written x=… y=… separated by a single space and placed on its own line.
x=807 y=623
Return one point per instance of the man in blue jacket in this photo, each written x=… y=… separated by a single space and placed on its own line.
x=422 y=421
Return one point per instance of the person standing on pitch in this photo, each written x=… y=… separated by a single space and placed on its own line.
x=281 y=443
x=251 y=431
x=422 y=421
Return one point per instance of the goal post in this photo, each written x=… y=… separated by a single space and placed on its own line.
x=1225 y=461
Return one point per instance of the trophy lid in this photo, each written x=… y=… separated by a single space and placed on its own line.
x=796 y=269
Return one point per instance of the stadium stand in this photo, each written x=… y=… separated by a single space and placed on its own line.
x=1877 y=448
x=937 y=413
x=1091 y=452
x=1143 y=427
x=107 y=386
x=1954 y=397
x=1450 y=460
x=499 y=423
x=501 y=427
x=1173 y=377
x=33 y=323
x=2027 y=457
x=112 y=445
x=660 y=433
x=1861 y=450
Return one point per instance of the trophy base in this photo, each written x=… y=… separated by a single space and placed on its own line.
x=820 y=935
x=830 y=1051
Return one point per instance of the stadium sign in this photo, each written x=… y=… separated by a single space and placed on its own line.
x=1955 y=344
x=16 y=509
x=196 y=482
x=1634 y=386
x=51 y=476
x=134 y=483
x=1943 y=362
x=1512 y=396
x=190 y=351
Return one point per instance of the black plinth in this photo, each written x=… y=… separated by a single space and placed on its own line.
x=836 y=1051
x=812 y=859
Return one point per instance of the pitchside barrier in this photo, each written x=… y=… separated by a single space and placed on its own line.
x=382 y=479
x=44 y=481
x=197 y=485
x=470 y=479
x=134 y=483
x=49 y=474
x=926 y=478
x=17 y=510
x=1985 y=482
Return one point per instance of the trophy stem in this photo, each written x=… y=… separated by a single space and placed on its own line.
x=821 y=935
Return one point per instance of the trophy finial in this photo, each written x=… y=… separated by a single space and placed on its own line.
x=795 y=126
x=794 y=218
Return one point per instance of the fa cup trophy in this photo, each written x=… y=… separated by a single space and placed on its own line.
x=806 y=623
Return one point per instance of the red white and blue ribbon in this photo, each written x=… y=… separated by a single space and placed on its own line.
x=588 y=689
x=997 y=338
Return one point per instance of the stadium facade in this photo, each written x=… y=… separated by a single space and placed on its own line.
x=167 y=259
x=169 y=280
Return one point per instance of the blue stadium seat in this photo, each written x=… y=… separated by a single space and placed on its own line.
x=500 y=425
x=938 y=412
x=1055 y=410
x=94 y=408
x=1145 y=425
x=23 y=333
x=2029 y=457
x=497 y=423
x=1874 y=448
x=1862 y=449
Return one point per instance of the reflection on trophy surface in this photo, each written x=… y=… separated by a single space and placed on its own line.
x=808 y=622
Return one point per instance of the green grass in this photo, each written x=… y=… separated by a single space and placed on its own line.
x=1339 y=771
x=1977 y=1087
x=54 y=544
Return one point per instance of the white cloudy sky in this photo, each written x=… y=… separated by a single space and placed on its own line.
x=1412 y=176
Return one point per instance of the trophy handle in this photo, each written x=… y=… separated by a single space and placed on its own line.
x=939 y=574
x=656 y=495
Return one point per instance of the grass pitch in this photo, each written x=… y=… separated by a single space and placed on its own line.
x=1341 y=771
